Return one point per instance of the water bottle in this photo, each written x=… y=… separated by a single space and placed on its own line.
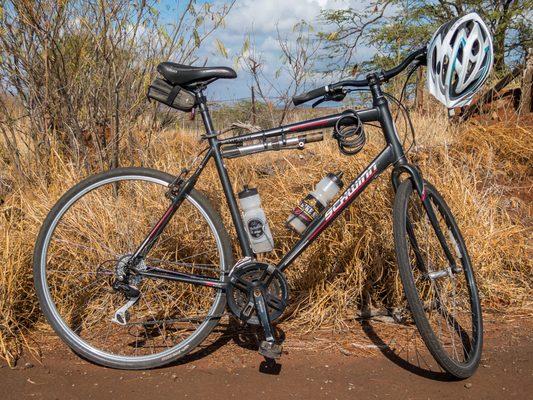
x=315 y=202
x=255 y=221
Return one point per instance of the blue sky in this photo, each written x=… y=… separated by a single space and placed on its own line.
x=260 y=17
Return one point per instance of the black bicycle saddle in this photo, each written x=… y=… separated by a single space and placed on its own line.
x=179 y=74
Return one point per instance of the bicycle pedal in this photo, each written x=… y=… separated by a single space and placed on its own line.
x=270 y=350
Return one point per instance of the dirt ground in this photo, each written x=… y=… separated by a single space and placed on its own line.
x=367 y=360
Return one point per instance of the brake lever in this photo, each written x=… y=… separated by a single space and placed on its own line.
x=319 y=101
x=422 y=60
x=335 y=96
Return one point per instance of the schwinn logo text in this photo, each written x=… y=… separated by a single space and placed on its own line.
x=354 y=187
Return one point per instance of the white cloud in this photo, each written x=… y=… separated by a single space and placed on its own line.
x=264 y=15
x=263 y=18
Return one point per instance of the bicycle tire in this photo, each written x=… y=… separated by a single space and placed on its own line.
x=407 y=270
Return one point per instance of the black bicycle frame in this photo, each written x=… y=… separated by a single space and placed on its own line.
x=392 y=154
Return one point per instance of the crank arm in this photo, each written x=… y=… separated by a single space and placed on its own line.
x=247 y=311
x=262 y=313
x=268 y=348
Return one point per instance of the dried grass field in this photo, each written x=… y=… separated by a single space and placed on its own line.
x=484 y=171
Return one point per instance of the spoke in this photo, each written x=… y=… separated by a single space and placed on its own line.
x=78 y=272
x=109 y=328
x=196 y=255
x=451 y=321
x=208 y=267
x=454 y=313
x=194 y=318
x=157 y=325
x=99 y=280
x=136 y=351
x=92 y=249
x=173 y=301
x=94 y=319
x=156 y=294
x=433 y=284
x=170 y=320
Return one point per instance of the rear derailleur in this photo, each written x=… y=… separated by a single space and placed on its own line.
x=132 y=294
x=258 y=295
x=126 y=283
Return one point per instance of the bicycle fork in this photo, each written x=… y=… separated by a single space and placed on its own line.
x=428 y=207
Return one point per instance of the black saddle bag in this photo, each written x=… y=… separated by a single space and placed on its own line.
x=172 y=96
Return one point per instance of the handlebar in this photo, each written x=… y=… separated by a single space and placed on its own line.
x=418 y=55
x=313 y=94
x=383 y=76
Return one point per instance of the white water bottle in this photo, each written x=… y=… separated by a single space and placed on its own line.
x=255 y=221
x=315 y=202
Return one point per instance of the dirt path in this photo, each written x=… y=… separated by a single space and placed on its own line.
x=371 y=361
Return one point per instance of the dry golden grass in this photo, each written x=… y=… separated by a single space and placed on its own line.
x=484 y=172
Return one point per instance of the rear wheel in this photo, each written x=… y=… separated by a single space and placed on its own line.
x=444 y=301
x=83 y=246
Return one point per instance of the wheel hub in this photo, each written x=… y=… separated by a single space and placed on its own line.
x=123 y=274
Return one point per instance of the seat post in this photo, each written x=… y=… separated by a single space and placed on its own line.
x=204 y=111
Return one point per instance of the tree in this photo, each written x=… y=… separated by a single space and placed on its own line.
x=395 y=27
x=298 y=55
x=79 y=70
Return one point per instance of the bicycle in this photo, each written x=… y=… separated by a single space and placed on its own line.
x=100 y=254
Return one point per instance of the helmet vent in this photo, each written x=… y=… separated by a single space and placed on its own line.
x=475 y=48
x=469 y=70
x=455 y=79
x=460 y=54
x=453 y=38
x=444 y=70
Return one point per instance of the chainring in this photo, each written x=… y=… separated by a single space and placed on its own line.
x=244 y=278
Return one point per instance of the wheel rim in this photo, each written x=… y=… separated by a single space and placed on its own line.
x=156 y=328
x=447 y=299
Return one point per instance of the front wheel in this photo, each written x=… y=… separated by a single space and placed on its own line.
x=83 y=247
x=441 y=293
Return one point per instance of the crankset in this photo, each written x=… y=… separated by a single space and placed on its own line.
x=249 y=279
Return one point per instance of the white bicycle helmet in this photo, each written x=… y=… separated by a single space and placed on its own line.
x=460 y=58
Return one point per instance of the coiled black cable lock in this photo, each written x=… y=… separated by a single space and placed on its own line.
x=350 y=134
